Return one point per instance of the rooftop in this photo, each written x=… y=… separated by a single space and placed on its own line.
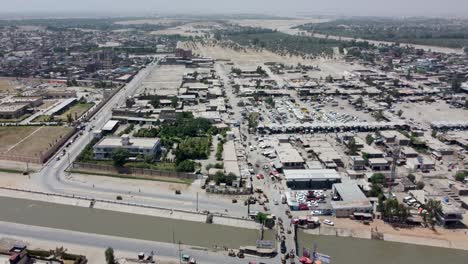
x=114 y=142
x=349 y=191
x=311 y=174
x=110 y=125
x=288 y=154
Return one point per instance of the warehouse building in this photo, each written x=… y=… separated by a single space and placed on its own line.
x=350 y=200
x=311 y=179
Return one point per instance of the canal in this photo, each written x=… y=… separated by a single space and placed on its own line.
x=344 y=250
x=121 y=224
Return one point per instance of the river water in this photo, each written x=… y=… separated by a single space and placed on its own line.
x=105 y=222
x=121 y=224
x=344 y=250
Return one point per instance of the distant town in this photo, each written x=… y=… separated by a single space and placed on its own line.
x=229 y=140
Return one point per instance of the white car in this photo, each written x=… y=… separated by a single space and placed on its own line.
x=275 y=202
x=328 y=222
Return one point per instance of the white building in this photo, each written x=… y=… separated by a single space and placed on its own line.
x=136 y=146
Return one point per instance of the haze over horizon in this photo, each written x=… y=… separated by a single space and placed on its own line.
x=447 y=8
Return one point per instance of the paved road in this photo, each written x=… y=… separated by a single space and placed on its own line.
x=53 y=178
x=100 y=242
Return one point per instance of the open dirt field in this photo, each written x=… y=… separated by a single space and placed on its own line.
x=29 y=141
x=253 y=58
x=6 y=85
x=165 y=80
x=430 y=112
x=279 y=24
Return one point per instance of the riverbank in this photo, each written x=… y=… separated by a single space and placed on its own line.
x=127 y=225
x=348 y=250
x=440 y=237
x=119 y=207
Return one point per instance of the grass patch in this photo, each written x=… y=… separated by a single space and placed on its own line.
x=15 y=171
x=162 y=166
x=127 y=176
x=76 y=111
x=30 y=141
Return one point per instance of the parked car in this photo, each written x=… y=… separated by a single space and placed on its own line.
x=328 y=222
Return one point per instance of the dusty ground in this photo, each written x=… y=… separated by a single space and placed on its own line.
x=29 y=141
x=429 y=112
x=6 y=85
x=253 y=58
x=439 y=237
x=279 y=24
x=165 y=80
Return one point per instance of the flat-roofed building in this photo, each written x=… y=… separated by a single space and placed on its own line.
x=350 y=200
x=289 y=156
x=392 y=137
x=230 y=161
x=110 y=126
x=379 y=164
x=135 y=146
x=311 y=179
x=59 y=94
x=408 y=152
x=11 y=111
x=32 y=101
x=357 y=163
x=371 y=152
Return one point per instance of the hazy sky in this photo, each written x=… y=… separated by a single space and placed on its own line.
x=272 y=7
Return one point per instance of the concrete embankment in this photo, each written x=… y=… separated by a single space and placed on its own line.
x=401 y=238
x=122 y=206
x=129 y=225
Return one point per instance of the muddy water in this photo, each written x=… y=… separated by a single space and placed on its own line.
x=121 y=224
x=345 y=250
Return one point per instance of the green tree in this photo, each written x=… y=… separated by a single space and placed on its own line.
x=379 y=116
x=461 y=175
x=260 y=70
x=376 y=190
x=377 y=178
x=400 y=113
x=261 y=217
x=174 y=101
x=352 y=147
x=389 y=100
x=456 y=85
x=186 y=166
x=155 y=101
x=420 y=185
x=369 y=139
x=433 y=208
x=69 y=118
x=434 y=133
x=270 y=101
x=120 y=156
x=109 y=253
x=411 y=177
x=360 y=101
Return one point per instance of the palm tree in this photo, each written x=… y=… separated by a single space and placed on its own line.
x=433 y=208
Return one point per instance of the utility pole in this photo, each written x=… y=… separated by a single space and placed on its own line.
x=395 y=157
x=180 y=254
x=197 y=201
